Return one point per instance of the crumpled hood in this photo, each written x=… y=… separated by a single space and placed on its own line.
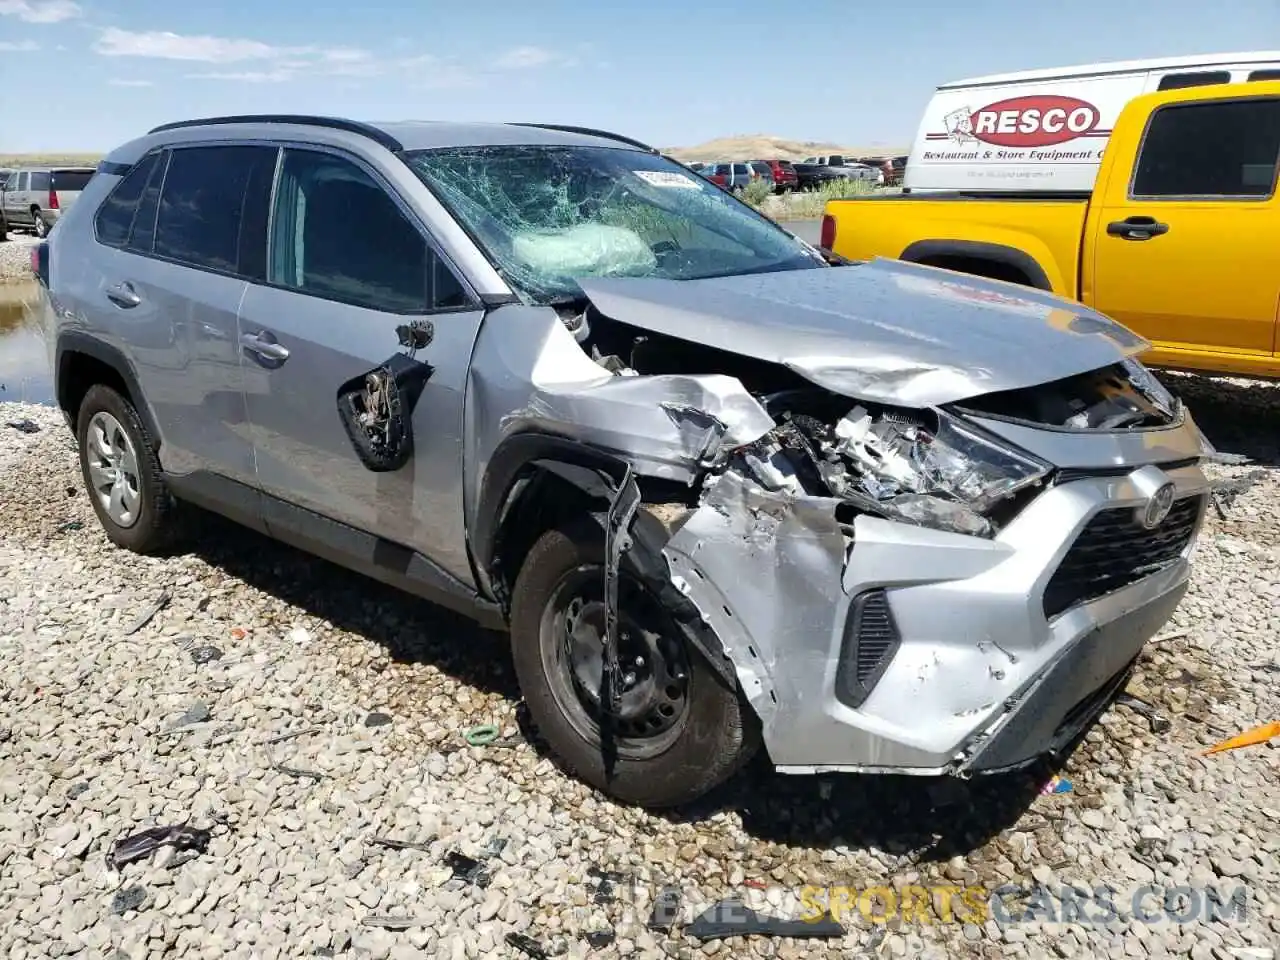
x=884 y=331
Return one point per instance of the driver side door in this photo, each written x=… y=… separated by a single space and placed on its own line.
x=348 y=264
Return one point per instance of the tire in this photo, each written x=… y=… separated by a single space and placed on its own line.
x=712 y=735
x=151 y=523
x=37 y=223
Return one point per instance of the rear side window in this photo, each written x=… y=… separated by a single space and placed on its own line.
x=339 y=235
x=40 y=181
x=1225 y=148
x=114 y=218
x=212 y=197
x=71 y=179
x=1180 y=81
x=762 y=168
x=740 y=169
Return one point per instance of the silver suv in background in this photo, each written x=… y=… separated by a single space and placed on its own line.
x=723 y=492
x=36 y=197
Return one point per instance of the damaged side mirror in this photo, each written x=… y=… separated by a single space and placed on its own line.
x=377 y=407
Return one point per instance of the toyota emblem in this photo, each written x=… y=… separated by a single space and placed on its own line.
x=1158 y=506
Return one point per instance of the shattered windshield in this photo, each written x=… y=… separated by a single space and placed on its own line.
x=546 y=215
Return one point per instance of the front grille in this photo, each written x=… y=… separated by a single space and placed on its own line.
x=1114 y=550
x=870 y=640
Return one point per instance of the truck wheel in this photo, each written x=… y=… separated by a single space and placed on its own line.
x=679 y=730
x=122 y=473
x=37 y=223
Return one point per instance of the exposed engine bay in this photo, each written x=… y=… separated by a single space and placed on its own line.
x=928 y=466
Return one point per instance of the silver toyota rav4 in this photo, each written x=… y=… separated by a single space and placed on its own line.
x=724 y=489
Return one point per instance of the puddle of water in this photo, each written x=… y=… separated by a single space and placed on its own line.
x=24 y=361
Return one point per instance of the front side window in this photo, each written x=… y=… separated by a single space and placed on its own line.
x=1259 y=75
x=1211 y=149
x=339 y=235
x=548 y=215
x=214 y=196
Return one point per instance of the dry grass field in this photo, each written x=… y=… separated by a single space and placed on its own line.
x=49 y=159
x=761 y=146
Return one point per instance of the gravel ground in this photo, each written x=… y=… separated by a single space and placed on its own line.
x=15 y=256
x=108 y=727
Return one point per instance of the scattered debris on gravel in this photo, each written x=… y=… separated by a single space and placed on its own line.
x=347 y=814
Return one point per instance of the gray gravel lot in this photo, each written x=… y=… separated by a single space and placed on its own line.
x=89 y=751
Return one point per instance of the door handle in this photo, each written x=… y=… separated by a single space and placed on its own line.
x=265 y=346
x=123 y=295
x=1137 y=228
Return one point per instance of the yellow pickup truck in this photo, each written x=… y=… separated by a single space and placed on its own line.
x=1179 y=239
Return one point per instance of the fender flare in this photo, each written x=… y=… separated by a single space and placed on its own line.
x=600 y=476
x=520 y=456
x=978 y=250
x=76 y=341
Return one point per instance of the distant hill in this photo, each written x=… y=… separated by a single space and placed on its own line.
x=760 y=146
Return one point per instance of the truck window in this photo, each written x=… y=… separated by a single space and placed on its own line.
x=1211 y=150
x=1179 y=81
x=1264 y=75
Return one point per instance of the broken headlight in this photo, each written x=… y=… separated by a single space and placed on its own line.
x=926 y=468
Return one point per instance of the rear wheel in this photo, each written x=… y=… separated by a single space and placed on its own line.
x=122 y=473
x=37 y=222
x=678 y=730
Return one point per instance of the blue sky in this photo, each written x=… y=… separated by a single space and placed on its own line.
x=88 y=74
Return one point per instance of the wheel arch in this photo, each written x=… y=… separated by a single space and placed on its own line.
x=80 y=361
x=1008 y=261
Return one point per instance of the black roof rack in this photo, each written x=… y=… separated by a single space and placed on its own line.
x=333 y=123
x=590 y=132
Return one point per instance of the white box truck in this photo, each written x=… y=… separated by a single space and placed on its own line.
x=1043 y=131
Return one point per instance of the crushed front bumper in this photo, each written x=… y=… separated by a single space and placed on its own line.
x=878 y=646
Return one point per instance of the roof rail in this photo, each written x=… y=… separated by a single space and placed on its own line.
x=590 y=132
x=332 y=123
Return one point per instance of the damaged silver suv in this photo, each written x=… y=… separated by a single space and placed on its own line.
x=723 y=489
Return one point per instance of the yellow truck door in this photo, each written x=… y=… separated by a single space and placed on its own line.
x=1183 y=242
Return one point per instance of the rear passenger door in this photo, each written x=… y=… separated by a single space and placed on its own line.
x=1183 y=249
x=15 y=205
x=349 y=263
x=185 y=229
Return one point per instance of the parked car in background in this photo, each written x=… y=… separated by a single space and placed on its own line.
x=730 y=176
x=891 y=167
x=784 y=175
x=849 y=168
x=762 y=171
x=36 y=197
x=811 y=176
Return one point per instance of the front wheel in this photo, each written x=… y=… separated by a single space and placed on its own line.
x=678 y=729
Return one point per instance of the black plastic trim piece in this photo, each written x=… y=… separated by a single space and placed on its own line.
x=991 y=252
x=115 y=169
x=74 y=341
x=302 y=120
x=574 y=461
x=853 y=683
x=590 y=132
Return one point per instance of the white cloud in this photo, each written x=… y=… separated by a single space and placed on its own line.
x=526 y=58
x=247 y=76
x=268 y=63
x=40 y=11
x=163 y=45
x=18 y=46
x=117 y=82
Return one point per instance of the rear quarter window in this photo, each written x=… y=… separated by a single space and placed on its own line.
x=115 y=216
x=40 y=181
